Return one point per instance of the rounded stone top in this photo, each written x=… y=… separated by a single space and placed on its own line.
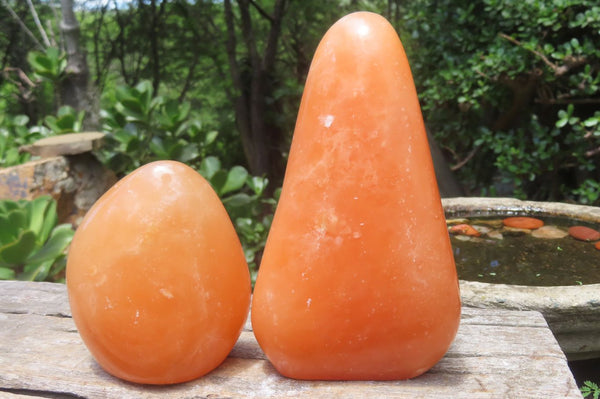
x=65 y=144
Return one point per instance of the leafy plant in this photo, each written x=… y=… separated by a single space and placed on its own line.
x=510 y=89
x=244 y=198
x=31 y=244
x=144 y=128
x=588 y=192
x=66 y=120
x=14 y=132
x=590 y=388
x=50 y=64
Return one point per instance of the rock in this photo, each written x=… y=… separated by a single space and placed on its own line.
x=75 y=182
x=465 y=230
x=495 y=234
x=514 y=231
x=463 y=238
x=597 y=245
x=550 y=232
x=482 y=229
x=584 y=233
x=523 y=222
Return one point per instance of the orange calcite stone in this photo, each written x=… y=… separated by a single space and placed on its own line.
x=358 y=280
x=584 y=233
x=597 y=245
x=464 y=229
x=157 y=281
x=523 y=222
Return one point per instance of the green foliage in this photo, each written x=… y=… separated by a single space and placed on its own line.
x=142 y=128
x=588 y=192
x=32 y=246
x=67 y=120
x=517 y=80
x=14 y=132
x=50 y=65
x=590 y=388
x=244 y=198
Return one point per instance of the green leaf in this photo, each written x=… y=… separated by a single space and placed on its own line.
x=7 y=274
x=59 y=240
x=50 y=220
x=36 y=271
x=562 y=122
x=209 y=166
x=37 y=212
x=123 y=136
x=133 y=145
x=21 y=120
x=144 y=91
x=157 y=147
x=218 y=181
x=17 y=220
x=257 y=184
x=66 y=122
x=58 y=266
x=17 y=251
x=122 y=92
x=51 y=122
x=189 y=153
x=210 y=137
x=6 y=235
x=236 y=178
x=590 y=388
x=238 y=200
x=8 y=205
x=132 y=109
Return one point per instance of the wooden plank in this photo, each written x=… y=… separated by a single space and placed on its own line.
x=65 y=144
x=496 y=354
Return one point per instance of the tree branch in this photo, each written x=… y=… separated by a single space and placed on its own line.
x=248 y=33
x=559 y=70
x=36 y=19
x=462 y=163
x=274 y=33
x=261 y=11
x=22 y=25
x=593 y=152
x=230 y=46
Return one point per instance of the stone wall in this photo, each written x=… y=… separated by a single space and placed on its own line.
x=74 y=181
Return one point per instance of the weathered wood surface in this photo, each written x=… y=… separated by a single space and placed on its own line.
x=65 y=144
x=496 y=354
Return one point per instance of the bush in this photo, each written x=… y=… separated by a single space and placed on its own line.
x=14 y=133
x=511 y=87
x=144 y=128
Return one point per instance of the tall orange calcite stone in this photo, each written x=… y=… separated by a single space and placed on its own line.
x=357 y=280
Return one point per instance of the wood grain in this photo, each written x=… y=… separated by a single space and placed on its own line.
x=496 y=354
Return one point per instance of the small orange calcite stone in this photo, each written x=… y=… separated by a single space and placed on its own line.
x=358 y=280
x=523 y=222
x=584 y=233
x=157 y=280
x=597 y=245
x=464 y=229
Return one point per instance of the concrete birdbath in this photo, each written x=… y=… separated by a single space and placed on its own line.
x=571 y=311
